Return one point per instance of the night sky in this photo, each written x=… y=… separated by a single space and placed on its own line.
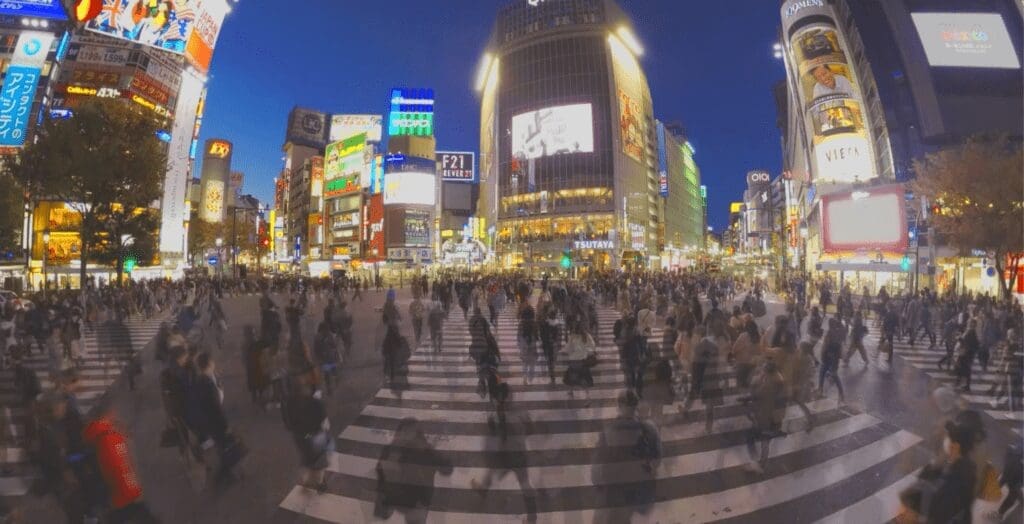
x=709 y=65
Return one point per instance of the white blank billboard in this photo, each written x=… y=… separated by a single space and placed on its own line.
x=558 y=130
x=410 y=187
x=966 y=40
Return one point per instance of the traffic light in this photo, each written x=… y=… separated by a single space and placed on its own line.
x=566 y=262
x=905 y=263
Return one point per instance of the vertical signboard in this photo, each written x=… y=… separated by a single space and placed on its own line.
x=173 y=213
x=830 y=96
x=19 y=87
x=662 y=162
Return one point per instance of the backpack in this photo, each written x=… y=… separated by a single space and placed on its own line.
x=648 y=443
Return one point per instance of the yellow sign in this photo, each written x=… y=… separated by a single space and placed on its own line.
x=736 y=207
x=219 y=149
x=79 y=90
x=157 y=108
x=447 y=233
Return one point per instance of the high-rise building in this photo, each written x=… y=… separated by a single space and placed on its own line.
x=215 y=180
x=679 y=186
x=568 y=152
x=872 y=86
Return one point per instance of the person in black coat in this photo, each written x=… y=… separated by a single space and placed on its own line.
x=305 y=417
x=969 y=347
x=204 y=411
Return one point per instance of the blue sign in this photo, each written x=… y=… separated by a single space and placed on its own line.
x=62 y=46
x=164 y=136
x=213 y=261
x=51 y=9
x=16 y=96
x=401 y=164
x=662 y=161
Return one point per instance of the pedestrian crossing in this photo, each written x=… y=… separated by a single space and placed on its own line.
x=106 y=349
x=569 y=458
x=990 y=388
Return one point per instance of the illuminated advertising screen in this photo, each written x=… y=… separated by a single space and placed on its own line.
x=872 y=219
x=833 y=106
x=187 y=28
x=343 y=165
x=377 y=249
x=50 y=9
x=211 y=208
x=662 y=161
x=410 y=187
x=19 y=87
x=966 y=40
x=377 y=174
x=173 y=213
x=632 y=126
x=344 y=126
x=412 y=112
x=559 y=130
x=457 y=166
x=417 y=228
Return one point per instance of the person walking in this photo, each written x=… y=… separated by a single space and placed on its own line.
x=305 y=417
x=580 y=356
x=767 y=408
x=857 y=332
x=636 y=356
x=831 y=354
x=969 y=347
x=527 y=338
x=257 y=365
x=435 y=320
x=325 y=352
x=704 y=384
x=746 y=350
x=417 y=312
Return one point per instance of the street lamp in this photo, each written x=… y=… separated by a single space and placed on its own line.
x=220 y=262
x=46 y=256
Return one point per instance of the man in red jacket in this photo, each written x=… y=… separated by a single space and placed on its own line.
x=112 y=458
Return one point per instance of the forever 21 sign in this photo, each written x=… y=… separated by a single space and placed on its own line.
x=457 y=166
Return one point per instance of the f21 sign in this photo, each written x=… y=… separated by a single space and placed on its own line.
x=457 y=166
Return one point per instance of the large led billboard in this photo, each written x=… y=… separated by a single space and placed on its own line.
x=558 y=130
x=344 y=126
x=410 y=187
x=51 y=9
x=872 y=220
x=186 y=28
x=632 y=126
x=833 y=106
x=966 y=40
x=412 y=112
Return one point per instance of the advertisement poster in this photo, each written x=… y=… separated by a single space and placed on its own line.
x=19 y=87
x=417 y=228
x=343 y=165
x=173 y=212
x=375 y=221
x=631 y=127
x=410 y=188
x=186 y=28
x=212 y=206
x=559 y=130
x=344 y=126
x=833 y=107
x=966 y=40
x=865 y=220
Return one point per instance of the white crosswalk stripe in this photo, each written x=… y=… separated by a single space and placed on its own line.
x=569 y=461
x=105 y=352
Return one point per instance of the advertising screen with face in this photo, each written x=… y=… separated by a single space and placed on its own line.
x=559 y=130
x=833 y=106
x=966 y=40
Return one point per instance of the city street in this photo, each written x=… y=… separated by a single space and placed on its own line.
x=567 y=458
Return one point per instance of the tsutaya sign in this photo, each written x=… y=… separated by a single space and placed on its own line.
x=593 y=244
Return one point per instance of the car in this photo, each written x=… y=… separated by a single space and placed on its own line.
x=13 y=298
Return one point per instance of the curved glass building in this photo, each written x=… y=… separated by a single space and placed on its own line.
x=568 y=146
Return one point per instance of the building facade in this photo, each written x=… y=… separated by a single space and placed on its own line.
x=871 y=86
x=568 y=148
x=679 y=186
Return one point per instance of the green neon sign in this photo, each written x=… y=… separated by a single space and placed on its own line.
x=408 y=123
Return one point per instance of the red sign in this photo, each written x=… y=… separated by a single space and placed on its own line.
x=145 y=86
x=377 y=249
x=869 y=219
